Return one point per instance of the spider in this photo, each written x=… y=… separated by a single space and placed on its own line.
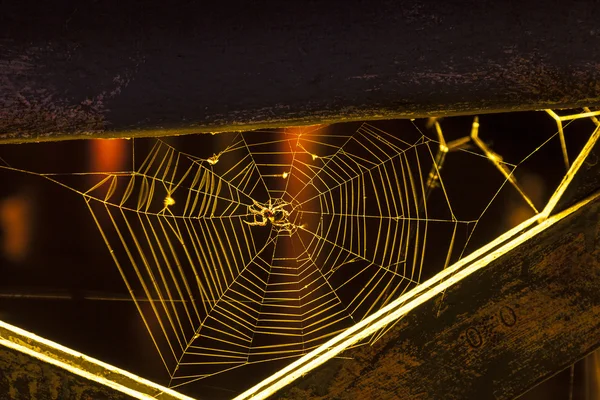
x=273 y=212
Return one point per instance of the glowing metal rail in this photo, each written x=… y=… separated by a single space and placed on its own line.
x=84 y=366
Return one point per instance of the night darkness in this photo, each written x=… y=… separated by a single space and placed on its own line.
x=65 y=257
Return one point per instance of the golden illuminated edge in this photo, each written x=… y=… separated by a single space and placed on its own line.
x=140 y=388
x=87 y=367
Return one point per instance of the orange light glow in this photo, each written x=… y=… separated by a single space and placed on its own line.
x=107 y=155
x=15 y=222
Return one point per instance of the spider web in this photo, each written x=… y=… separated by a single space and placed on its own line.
x=270 y=243
x=232 y=287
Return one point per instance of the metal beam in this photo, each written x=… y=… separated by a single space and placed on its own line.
x=32 y=367
x=72 y=69
x=25 y=377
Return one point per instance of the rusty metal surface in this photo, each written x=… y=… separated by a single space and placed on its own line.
x=71 y=69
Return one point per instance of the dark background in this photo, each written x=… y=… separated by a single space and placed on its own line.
x=66 y=257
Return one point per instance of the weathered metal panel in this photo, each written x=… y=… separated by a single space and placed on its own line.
x=72 y=69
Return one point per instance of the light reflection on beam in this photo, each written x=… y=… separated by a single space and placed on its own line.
x=87 y=367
